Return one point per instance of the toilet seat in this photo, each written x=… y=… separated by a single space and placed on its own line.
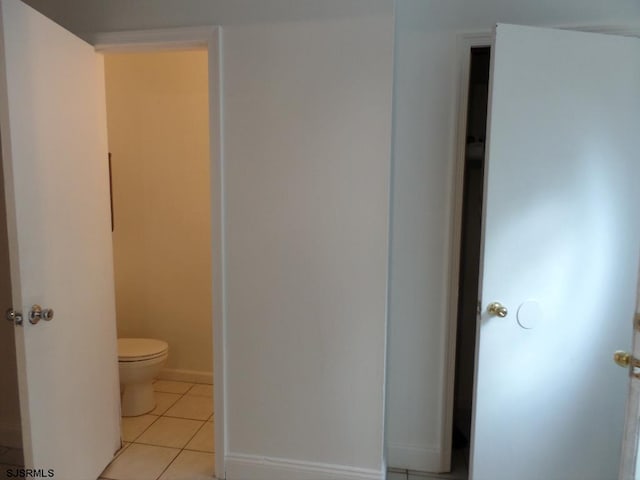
x=140 y=349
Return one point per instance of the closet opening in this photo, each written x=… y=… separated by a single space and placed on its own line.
x=469 y=271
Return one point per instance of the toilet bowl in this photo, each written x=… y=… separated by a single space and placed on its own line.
x=139 y=362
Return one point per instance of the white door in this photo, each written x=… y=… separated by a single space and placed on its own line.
x=629 y=465
x=560 y=252
x=54 y=149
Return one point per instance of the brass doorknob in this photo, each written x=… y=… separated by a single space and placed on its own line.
x=496 y=308
x=624 y=359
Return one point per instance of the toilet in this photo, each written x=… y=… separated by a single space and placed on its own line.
x=139 y=361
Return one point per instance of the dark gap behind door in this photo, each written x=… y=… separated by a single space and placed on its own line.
x=470 y=247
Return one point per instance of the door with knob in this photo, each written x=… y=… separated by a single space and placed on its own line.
x=629 y=465
x=53 y=129
x=560 y=255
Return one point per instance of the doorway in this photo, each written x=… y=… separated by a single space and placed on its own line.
x=469 y=269
x=59 y=185
x=158 y=131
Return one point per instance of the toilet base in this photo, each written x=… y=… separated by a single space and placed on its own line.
x=137 y=399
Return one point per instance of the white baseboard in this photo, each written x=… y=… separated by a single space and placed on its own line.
x=191 y=376
x=253 y=467
x=10 y=435
x=423 y=458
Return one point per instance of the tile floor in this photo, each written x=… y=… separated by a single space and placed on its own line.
x=173 y=442
x=459 y=470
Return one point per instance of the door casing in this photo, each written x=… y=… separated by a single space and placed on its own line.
x=211 y=39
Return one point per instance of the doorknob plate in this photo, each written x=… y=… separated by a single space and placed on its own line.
x=529 y=314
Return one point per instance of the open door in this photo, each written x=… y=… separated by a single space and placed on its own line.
x=629 y=463
x=560 y=255
x=54 y=149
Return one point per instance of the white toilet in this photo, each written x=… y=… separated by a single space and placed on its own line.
x=140 y=361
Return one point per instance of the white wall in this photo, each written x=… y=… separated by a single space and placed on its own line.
x=426 y=85
x=307 y=132
x=158 y=124
x=274 y=34
x=89 y=16
x=307 y=136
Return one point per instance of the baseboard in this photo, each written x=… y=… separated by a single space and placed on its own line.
x=423 y=458
x=10 y=435
x=191 y=376
x=253 y=467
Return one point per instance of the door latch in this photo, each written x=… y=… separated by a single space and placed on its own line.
x=14 y=317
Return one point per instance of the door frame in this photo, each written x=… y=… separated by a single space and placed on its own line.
x=209 y=38
x=465 y=42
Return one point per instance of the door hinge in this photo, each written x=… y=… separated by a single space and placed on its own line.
x=14 y=317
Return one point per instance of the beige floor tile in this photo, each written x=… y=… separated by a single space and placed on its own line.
x=132 y=427
x=169 y=386
x=203 y=440
x=192 y=466
x=192 y=406
x=459 y=470
x=396 y=476
x=201 y=390
x=423 y=476
x=164 y=401
x=415 y=475
x=140 y=462
x=170 y=432
x=122 y=449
